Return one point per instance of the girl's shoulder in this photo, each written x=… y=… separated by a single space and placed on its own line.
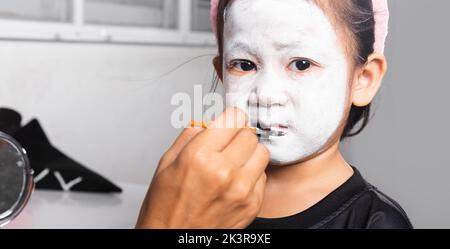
x=366 y=207
x=383 y=211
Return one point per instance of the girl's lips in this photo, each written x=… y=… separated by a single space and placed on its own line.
x=272 y=131
x=272 y=126
x=279 y=127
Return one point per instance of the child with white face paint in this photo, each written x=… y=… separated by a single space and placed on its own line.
x=284 y=66
x=308 y=68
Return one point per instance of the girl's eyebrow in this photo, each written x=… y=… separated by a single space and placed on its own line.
x=287 y=45
x=241 y=46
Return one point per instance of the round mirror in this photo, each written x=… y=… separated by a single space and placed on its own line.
x=16 y=179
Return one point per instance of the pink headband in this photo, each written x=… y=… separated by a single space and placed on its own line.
x=380 y=9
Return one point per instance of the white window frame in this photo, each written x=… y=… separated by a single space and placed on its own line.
x=79 y=31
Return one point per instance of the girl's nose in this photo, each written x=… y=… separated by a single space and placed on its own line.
x=269 y=91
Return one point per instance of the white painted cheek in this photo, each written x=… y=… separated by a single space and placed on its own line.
x=322 y=102
x=237 y=90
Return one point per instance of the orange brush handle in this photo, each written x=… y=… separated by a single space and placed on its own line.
x=201 y=124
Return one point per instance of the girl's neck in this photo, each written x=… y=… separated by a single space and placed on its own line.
x=300 y=186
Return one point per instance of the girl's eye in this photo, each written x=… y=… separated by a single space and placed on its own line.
x=301 y=65
x=243 y=66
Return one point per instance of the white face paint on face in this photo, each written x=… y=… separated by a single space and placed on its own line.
x=284 y=66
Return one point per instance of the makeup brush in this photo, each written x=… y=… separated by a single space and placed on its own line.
x=264 y=133
x=269 y=133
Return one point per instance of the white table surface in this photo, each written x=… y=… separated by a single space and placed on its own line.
x=57 y=209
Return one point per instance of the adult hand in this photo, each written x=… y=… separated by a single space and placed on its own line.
x=209 y=178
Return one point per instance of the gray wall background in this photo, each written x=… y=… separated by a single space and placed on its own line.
x=107 y=107
x=405 y=149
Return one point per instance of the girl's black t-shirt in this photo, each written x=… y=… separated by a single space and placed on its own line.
x=356 y=204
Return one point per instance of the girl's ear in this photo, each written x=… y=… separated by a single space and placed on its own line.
x=217 y=62
x=367 y=80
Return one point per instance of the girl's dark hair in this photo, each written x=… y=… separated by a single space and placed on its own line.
x=358 y=18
